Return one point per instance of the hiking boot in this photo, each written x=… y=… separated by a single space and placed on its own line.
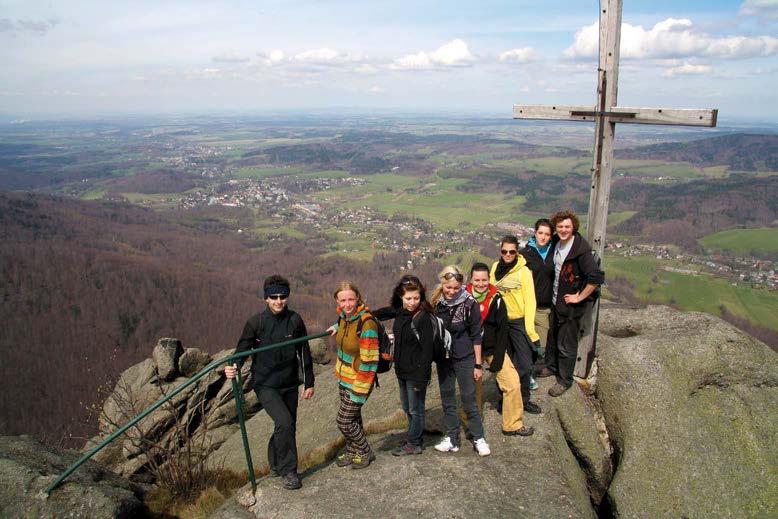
x=360 y=461
x=557 y=389
x=344 y=460
x=446 y=445
x=481 y=447
x=545 y=372
x=532 y=407
x=273 y=473
x=533 y=384
x=524 y=431
x=292 y=481
x=407 y=449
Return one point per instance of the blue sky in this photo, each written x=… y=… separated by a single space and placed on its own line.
x=81 y=58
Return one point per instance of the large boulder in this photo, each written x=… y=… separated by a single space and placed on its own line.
x=192 y=361
x=27 y=467
x=320 y=351
x=691 y=406
x=166 y=354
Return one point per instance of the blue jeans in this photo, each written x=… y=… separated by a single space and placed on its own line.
x=450 y=373
x=412 y=396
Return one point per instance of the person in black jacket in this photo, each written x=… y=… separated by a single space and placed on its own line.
x=413 y=343
x=275 y=374
x=541 y=263
x=460 y=312
x=576 y=277
x=496 y=348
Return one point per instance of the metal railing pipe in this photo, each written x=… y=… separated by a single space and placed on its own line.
x=197 y=376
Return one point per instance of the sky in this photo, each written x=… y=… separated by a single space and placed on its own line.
x=84 y=58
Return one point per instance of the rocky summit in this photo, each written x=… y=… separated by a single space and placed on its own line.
x=678 y=419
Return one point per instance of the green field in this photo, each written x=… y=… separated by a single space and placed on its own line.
x=255 y=172
x=433 y=199
x=702 y=292
x=744 y=242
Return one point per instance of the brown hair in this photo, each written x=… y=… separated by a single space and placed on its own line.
x=348 y=285
x=564 y=215
x=410 y=283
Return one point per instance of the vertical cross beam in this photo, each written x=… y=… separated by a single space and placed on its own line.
x=602 y=167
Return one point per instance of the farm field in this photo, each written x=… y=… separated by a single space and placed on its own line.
x=744 y=242
x=701 y=292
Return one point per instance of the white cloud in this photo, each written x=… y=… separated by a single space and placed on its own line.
x=366 y=68
x=326 y=56
x=375 y=89
x=687 y=69
x=453 y=54
x=273 y=57
x=230 y=57
x=760 y=8
x=519 y=55
x=37 y=27
x=672 y=38
x=322 y=55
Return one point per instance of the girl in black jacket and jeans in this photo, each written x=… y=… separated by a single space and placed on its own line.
x=413 y=337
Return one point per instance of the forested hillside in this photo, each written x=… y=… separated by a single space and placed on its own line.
x=88 y=288
x=741 y=152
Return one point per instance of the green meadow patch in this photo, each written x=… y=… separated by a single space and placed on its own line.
x=666 y=282
x=744 y=242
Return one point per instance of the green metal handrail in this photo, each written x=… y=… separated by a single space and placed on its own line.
x=200 y=374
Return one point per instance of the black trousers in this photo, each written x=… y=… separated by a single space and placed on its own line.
x=281 y=406
x=521 y=356
x=562 y=347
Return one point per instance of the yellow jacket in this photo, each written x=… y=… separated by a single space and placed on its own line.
x=518 y=292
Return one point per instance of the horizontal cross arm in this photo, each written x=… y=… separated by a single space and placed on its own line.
x=618 y=114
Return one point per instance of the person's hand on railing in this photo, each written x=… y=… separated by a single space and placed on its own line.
x=333 y=330
x=231 y=371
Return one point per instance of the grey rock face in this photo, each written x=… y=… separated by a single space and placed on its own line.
x=691 y=405
x=320 y=352
x=27 y=467
x=166 y=354
x=524 y=477
x=192 y=361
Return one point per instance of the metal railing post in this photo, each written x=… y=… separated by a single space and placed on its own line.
x=237 y=390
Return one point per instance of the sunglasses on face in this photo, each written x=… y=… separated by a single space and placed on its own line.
x=453 y=275
x=278 y=298
x=505 y=252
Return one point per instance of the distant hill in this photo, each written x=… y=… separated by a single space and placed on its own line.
x=88 y=287
x=741 y=152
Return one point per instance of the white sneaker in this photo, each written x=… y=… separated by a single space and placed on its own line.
x=445 y=445
x=481 y=446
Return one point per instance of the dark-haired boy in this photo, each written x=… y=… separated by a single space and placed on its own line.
x=576 y=277
x=275 y=374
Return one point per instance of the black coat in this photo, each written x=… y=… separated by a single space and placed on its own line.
x=578 y=270
x=542 y=275
x=496 y=341
x=413 y=356
x=278 y=367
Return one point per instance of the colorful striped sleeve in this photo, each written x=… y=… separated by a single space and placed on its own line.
x=368 y=354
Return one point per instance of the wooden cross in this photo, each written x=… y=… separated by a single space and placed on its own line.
x=605 y=115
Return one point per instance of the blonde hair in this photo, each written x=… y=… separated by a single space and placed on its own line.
x=348 y=285
x=450 y=271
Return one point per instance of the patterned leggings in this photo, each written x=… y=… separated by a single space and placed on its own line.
x=350 y=424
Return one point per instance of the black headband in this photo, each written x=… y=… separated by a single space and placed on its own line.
x=276 y=290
